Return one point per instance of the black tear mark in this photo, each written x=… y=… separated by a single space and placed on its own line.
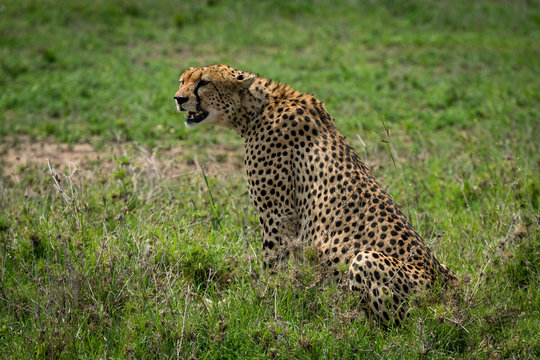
x=198 y=98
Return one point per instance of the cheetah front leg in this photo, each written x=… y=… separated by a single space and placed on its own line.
x=276 y=235
x=384 y=284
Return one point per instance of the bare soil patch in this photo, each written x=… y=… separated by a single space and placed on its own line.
x=89 y=161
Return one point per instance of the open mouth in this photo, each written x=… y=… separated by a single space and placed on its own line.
x=196 y=117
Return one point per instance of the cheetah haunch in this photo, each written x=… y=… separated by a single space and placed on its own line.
x=302 y=171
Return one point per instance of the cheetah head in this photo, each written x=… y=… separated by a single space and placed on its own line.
x=212 y=94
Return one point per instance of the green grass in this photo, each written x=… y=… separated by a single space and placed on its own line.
x=127 y=265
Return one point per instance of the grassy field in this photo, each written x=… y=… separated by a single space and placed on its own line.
x=140 y=254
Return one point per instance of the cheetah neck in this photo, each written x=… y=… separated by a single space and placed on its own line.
x=261 y=93
x=266 y=89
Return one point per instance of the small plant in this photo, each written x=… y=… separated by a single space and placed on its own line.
x=4 y=223
x=179 y=20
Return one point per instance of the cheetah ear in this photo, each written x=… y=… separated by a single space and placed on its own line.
x=245 y=79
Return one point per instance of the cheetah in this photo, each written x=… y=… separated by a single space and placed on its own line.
x=306 y=182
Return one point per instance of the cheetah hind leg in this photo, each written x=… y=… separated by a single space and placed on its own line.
x=384 y=286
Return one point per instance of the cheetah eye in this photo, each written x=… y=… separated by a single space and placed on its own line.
x=181 y=82
x=203 y=83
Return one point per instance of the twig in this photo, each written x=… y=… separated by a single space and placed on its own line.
x=477 y=285
x=183 y=324
x=214 y=209
x=68 y=200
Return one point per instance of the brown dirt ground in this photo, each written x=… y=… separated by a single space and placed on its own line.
x=16 y=155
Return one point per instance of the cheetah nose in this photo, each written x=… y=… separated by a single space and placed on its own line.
x=180 y=99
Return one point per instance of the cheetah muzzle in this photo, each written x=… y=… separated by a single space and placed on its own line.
x=193 y=118
x=307 y=184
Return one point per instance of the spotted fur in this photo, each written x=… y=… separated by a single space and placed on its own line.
x=307 y=183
